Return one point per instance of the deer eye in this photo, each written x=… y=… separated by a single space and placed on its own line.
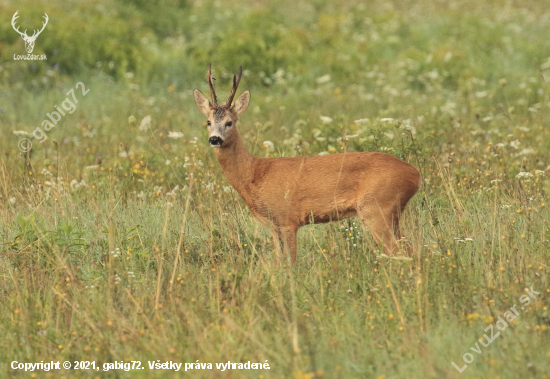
x=208 y=122
x=228 y=124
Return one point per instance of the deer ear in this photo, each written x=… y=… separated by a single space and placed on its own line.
x=241 y=103
x=202 y=102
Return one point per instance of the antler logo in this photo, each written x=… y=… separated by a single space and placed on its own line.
x=29 y=40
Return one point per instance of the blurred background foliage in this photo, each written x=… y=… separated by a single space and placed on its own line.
x=158 y=39
x=111 y=36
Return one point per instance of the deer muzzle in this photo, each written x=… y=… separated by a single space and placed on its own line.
x=215 y=141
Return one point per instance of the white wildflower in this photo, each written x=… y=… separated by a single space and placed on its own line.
x=294 y=140
x=389 y=134
x=145 y=123
x=408 y=125
x=116 y=253
x=268 y=145
x=173 y=192
x=515 y=144
x=323 y=79
x=317 y=135
x=46 y=172
x=93 y=167
x=362 y=121
x=175 y=135
x=526 y=151
x=75 y=184
x=524 y=175
x=326 y=119
x=386 y=119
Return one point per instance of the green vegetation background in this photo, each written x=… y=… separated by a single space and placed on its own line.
x=122 y=240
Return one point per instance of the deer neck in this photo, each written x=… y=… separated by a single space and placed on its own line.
x=236 y=164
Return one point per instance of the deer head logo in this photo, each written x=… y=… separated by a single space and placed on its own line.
x=29 y=40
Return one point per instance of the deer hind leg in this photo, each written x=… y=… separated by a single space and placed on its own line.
x=277 y=241
x=383 y=223
x=285 y=239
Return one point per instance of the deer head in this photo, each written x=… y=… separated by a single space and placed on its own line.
x=222 y=119
x=29 y=41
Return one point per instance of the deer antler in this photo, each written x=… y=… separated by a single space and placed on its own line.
x=35 y=34
x=214 y=98
x=15 y=16
x=236 y=81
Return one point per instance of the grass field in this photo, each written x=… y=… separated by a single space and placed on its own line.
x=121 y=239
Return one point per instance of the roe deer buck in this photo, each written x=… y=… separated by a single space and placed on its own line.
x=286 y=193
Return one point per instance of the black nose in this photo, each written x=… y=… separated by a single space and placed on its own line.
x=215 y=141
